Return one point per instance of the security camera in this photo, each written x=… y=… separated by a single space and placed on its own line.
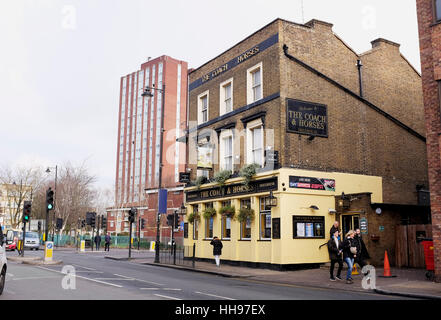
x=332 y=211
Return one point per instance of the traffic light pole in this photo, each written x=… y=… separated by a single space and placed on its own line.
x=130 y=241
x=139 y=231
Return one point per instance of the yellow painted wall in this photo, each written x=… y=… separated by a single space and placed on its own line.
x=291 y=202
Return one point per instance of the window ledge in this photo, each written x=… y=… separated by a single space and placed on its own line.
x=246 y=240
x=264 y=240
x=436 y=23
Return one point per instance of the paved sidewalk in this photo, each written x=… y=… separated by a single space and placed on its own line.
x=407 y=283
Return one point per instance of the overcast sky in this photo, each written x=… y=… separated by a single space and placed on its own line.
x=61 y=61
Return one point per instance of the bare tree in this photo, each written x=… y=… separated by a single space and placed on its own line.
x=19 y=184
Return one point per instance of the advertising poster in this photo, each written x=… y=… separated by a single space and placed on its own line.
x=300 y=229
x=312 y=183
x=309 y=229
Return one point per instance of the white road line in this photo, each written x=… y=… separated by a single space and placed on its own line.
x=94 y=280
x=167 y=297
x=87 y=271
x=33 y=278
x=212 y=295
x=149 y=288
x=151 y=282
x=114 y=279
x=118 y=275
x=77 y=265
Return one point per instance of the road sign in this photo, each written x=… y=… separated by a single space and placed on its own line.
x=363 y=226
x=152 y=246
x=83 y=246
x=48 y=251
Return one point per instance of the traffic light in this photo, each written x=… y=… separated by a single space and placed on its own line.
x=26 y=211
x=83 y=223
x=170 y=220
x=93 y=219
x=59 y=223
x=39 y=226
x=49 y=199
x=176 y=216
x=142 y=223
x=103 y=222
x=132 y=214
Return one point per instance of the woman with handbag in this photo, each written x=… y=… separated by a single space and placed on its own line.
x=349 y=254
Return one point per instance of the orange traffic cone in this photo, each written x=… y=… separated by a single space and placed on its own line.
x=386 y=272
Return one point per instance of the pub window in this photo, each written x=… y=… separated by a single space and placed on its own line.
x=437 y=10
x=203 y=107
x=265 y=220
x=186 y=230
x=254 y=83
x=209 y=223
x=226 y=222
x=227 y=152
x=195 y=223
x=226 y=96
x=245 y=226
x=306 y=227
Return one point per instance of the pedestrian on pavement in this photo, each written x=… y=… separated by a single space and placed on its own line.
x=107 y=244
x=97 y=242
x=362 y=253
x=335 y=254
x=217 y=249
x=335 y=227
x=349 y=254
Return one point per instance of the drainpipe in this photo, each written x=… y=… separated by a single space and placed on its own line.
x=360 y=81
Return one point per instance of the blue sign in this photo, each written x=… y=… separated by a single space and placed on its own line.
x=162 y=207
x=49 y=245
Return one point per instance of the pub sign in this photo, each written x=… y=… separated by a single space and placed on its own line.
x=306 y=118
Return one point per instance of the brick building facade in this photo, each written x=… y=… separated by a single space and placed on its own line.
x=300 y=91
x=139 y=140
x=429 y=25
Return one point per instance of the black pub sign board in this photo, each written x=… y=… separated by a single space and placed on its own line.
x=306 y=118
x=232 y=190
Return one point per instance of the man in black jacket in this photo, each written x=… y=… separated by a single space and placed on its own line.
x=361 y=250
x=335 y=254
x=335 y=227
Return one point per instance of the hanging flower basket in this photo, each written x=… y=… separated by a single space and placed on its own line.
x=193 y=216
x=244 y=214
x=227 y=211
x=221 y=176
x=209 y=213
x=247 y=172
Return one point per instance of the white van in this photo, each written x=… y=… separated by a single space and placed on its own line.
x=3 y=261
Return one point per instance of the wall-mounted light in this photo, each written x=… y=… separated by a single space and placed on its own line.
x=310 y=138
x=313 y=207
x=271 y=201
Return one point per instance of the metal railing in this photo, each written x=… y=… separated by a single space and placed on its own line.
x=178 y=255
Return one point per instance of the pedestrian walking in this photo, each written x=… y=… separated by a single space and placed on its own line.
x=335 y=227
x=362 y=253
x=217 y=249
x=349 y=254
x=107 y=240
x=97 y=242
x=335 y=254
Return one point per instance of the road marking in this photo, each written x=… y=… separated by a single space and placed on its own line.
x=33 y=278
x=213 y=295
x=151 y=282
x=87 y=271
x=94 y=280
x=149 y=288
x=167 y=297
x=118 y=275
x=115 y=279
x=77 y=265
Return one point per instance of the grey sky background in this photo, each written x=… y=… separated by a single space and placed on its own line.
x=61 y=61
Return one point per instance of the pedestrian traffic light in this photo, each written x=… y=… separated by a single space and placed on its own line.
x=59 y=223
x=93 y=219
x=26 y=211
x=142 y=223
x=170 y=220
x=39 y=226
x=132 y=214
x=176 y=216
x=103 y=222
x=49 y=199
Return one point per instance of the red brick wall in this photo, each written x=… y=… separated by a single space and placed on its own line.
x=430 y=50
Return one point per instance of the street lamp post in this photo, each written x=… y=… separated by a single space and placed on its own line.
x=55 y=201
x=148 y=92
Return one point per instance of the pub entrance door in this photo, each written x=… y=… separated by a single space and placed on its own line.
x=349 y=222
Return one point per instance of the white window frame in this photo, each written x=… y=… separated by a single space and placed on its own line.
x=222 y=102
x=200 y=114
x=225 y=134
x=250 y=145
x=250 y=91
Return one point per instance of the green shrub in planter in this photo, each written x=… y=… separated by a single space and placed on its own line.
x=228 y=211
x=193 y=216
x=247 y=172
x=221 y=176
x=200 y=181
x=244 y=214
x=209 y=212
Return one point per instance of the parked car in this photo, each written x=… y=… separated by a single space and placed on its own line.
x=3 y=261
x=32 y=240
x=11 y=240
